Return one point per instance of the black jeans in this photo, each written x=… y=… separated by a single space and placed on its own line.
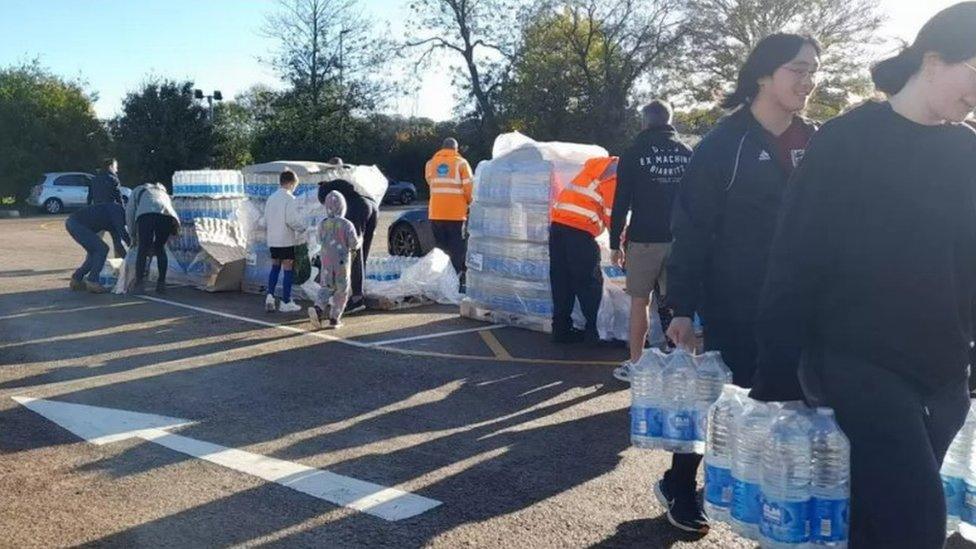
x=449 y=236
x=737 y=343
x=154 y=230
x=899 y=437
x=574 y=273
x=95 y=250
x=360 y=257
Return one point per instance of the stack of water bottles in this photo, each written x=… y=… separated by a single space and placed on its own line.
x=389 y=268
x=671 y=396
x=777 y=473
x=959 y=480
x=508 y=250
x=202 y=194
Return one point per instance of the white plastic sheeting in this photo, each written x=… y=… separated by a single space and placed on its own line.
x=432 y=276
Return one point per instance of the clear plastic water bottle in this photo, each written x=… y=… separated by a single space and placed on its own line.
x=751 y=434
x=958 y=471
x=712 y=375
x=787 y=470
x=646 y=414
x=830 y=486
x=679 y=404
x=719 y=447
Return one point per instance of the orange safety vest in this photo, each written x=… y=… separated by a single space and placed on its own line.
x=449 y=178
x=586 y=203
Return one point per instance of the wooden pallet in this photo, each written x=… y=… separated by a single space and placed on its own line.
x=474 y=311
x=384 y=303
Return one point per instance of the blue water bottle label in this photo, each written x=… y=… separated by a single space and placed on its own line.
x=746 y=504
x=718 y=485
x=701 y=425
x=638 y=421
x=954 y=489
x=655 y=422
x=785 y=521
x=679 y=425
x=829 y=520
x=969 y=505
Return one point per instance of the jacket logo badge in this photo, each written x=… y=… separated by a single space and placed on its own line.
x=443 y=170
x=764 y=156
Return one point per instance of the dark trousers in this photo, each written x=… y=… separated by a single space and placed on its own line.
x=737 y=343
x=899 y=437
x=574 y=273
x=95 y=250
x=449 y=236
x=154 y=230
x=360 y=258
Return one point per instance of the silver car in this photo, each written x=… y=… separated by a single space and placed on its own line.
x=59 y=191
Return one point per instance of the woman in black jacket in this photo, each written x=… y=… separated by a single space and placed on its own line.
x=724 y=219
x=872 y=278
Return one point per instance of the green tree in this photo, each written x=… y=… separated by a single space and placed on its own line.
x=162 y=130
x=234 y=130
x=580 y=63
x=46 y=124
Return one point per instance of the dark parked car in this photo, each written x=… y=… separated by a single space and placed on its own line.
x=411 y=234
x=400 y=192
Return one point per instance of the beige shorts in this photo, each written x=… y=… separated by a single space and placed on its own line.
x=645 y=264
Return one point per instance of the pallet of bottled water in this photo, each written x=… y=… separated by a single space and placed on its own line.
x=527 y=222
x=189 y=208
x=777 y=473
x=262 y=185
x=959 y=479
x=387 y=269
x=208 y=183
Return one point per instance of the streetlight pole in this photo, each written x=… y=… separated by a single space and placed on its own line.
x=342 y=91
x=215 y=96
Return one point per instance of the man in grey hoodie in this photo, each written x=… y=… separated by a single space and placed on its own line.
x=151 y=219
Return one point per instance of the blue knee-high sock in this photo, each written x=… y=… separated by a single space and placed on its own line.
x=273 y=278
x=286 y=286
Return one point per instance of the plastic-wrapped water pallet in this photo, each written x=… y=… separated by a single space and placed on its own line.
x=208 y=183
x=474 y=310
x=509 y=259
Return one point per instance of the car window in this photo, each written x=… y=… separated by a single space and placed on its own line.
x=71 y=180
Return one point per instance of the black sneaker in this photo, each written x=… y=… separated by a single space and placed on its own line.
x=662 y=492
x=355 y=307
x=685 y=514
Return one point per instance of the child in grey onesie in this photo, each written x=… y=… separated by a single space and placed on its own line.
x=339 y=241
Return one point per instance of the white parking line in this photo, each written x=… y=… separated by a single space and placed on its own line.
x=432 y=336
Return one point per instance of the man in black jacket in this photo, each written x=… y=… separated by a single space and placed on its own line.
x=647 y=182
x=363 y=212
x=105 y=188
x=84 y=226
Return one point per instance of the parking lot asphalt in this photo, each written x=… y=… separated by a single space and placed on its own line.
x=250 y=429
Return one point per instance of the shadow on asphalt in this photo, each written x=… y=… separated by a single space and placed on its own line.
x=637 y=533
x=482 y=432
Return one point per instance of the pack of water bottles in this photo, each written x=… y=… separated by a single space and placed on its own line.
x=777 y=473
x=670 y=398
x=208 y=183
x=388 y=268
x=959 y=479
x=508 y=254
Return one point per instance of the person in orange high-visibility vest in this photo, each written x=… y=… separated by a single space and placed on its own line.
x=449 y=178
x=581 y=212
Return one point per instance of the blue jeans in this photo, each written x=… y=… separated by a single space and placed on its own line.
x=96 y=250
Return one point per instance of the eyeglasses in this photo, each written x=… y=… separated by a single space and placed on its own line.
x=812 y=73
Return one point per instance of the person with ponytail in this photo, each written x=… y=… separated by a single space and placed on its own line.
x=868 y=302
x=723 y=224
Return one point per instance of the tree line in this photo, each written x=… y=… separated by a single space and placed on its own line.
x=568 y=70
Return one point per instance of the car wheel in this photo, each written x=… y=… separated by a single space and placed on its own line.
x=407 y=197
x=404 y=241
x=53 y=206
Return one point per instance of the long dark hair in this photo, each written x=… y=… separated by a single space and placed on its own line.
x=951 y=34
x=771 y=53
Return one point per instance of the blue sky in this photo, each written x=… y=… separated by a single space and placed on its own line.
x=115 y=44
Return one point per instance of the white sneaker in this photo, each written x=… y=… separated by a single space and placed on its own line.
x=623 y=372
x=313 y=317
x=270 y=305
x=289 y=307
